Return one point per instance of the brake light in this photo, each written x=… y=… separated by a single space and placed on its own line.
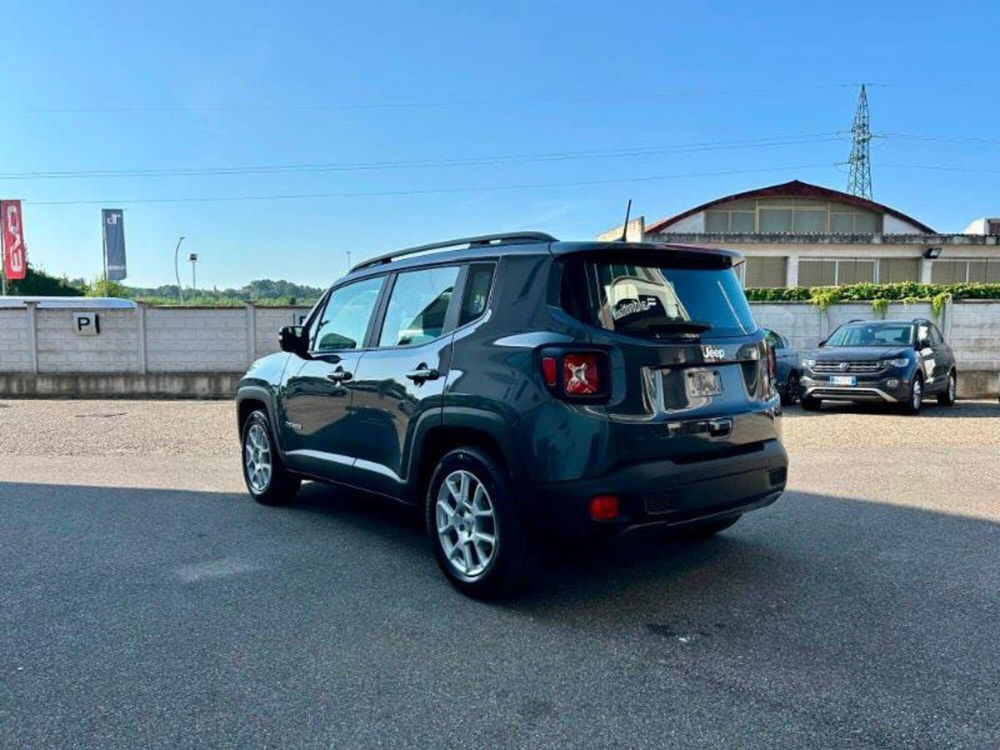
x=581 y=375
x=549 y=371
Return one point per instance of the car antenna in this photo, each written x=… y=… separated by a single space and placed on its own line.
x=628 y=210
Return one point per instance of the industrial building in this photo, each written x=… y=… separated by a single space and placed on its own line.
x=798 y=234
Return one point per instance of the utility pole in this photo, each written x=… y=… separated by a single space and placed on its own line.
x=193 y=257
x=177 y=273
x=860 y=181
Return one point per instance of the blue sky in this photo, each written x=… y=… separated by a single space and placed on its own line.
x=166 y=86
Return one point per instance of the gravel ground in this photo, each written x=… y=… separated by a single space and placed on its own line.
x=207 y=428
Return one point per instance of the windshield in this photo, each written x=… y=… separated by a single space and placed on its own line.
x=872 y=334
x=661 y=301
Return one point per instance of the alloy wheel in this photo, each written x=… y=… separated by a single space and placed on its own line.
x=257 y=458
x=917 y=395
x=466 y=525
x=952 y=387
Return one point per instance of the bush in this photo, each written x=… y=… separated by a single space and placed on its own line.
x=909 y=291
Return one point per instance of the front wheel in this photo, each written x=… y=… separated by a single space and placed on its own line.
x=478 y=537
x=266 y=477
x=791 y=392
x=915 y=399
x=810 y=403
x=948 y=396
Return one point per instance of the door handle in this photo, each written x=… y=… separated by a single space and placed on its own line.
x=423 y=373
x=339 y=375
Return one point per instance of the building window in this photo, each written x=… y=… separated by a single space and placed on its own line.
x=762 y=272
x=962 y=271
x=892 y=270
x=837 y=272
x=781 y=215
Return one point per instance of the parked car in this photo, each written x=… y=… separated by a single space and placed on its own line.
x=886 y=361
x=521 y=390
x=788 y=366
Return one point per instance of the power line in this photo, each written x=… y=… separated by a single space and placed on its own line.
x=637 y=151
x=420 y=191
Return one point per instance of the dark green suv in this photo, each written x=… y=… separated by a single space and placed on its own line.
x=521 y=390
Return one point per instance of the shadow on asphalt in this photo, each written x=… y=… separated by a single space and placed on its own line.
x=818 y=610
x=930 y=410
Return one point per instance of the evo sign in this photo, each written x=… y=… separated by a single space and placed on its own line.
x=86 y=323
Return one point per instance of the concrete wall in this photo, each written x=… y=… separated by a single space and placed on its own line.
x=202 y=351
x=969 y=327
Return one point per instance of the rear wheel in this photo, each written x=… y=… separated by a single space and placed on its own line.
x=791 y=392
x=809 y=403
x=915 y=399
x=702 y=530
x=266 y=477
x=479 y=540
x=948 y=396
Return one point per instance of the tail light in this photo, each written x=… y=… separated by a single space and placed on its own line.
x=581 y=375
x=576 y=374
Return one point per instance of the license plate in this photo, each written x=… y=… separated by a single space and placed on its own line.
x=701 y=383
x=843 y=380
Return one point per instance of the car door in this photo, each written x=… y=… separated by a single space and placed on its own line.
x=402 y=377
x=933 y=375
x=783 y=356
x=315 y=400
x=943 y=357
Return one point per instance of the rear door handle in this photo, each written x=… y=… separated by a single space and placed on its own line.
x=423 y=373
x=339 y=375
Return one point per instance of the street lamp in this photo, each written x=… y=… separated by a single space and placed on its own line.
x=193 y=257
x=177 y=272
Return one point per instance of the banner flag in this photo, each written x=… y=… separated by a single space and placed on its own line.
x=114 y=243
x=15 y=257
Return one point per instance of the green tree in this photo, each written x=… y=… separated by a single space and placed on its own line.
x=38 y=283
x=103 y=288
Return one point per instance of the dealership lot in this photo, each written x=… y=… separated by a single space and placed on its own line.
x=144 y=599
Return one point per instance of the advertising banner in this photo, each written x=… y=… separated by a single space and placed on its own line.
x=15 y=257
x=114 y=243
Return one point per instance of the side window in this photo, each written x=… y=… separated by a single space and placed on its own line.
x=344 y=321
x=417 y=306
x=923 y=332
x=477 y=292
x=936 y=338
x=775 y=340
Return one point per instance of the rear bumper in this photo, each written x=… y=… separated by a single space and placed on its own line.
x=666 y=493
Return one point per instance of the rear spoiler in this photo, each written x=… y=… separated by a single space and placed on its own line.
x=693 y=256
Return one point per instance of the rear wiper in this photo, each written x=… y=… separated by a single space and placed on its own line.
x=678 y=326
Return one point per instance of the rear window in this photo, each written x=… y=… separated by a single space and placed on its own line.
x=658 y=301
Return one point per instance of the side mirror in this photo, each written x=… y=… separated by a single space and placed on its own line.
x=923 y=344
x=822 y=343
x=292 y=339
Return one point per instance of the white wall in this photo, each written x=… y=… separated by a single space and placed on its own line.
x=153 y=340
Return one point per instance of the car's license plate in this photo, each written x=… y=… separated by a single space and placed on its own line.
x=843 y=380
x=701 y=383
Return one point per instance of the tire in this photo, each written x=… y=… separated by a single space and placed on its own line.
x=915 y=396
x=702 y=530
x=456 y=512
x=947 y=396
x=790 y=394
x=809 y=403
x=274 y=485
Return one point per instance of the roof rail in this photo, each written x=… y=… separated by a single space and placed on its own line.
x=480 y=241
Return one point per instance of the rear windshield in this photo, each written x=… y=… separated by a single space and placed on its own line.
x=659 y=301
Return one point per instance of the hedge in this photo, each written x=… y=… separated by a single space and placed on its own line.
x=879 y=295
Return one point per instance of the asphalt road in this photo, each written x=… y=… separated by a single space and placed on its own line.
x=145 y=601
